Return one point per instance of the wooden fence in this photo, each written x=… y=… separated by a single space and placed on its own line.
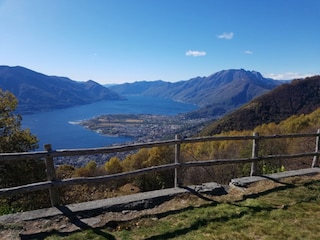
x=52 y=184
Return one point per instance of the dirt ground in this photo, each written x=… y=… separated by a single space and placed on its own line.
x=117 y=220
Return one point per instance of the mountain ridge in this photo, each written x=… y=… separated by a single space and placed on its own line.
x=216 y=94
x=223 y=90
x=39 y=92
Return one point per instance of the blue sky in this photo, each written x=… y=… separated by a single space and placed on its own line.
x=116 y=41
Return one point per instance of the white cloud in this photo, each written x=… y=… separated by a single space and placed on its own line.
x=226 y=36
x=248 y=52
x=288 y=75
x=195 y=53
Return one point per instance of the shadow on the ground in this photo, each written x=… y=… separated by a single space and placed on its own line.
x=223 y=219
x=74 y=220
x=195 y=225
x=284 y=186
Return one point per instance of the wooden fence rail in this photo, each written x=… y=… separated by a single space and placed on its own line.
x=52 y=183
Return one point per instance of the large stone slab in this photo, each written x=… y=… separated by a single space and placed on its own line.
x=246 y=181
x=137 y=201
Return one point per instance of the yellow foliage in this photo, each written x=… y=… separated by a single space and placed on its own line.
x=243 y=148
x=151 y=157
x=92 y=165
x=83 y=172
x=113 y=166
x=64 y=171
x=159 y=155
x=135 y=161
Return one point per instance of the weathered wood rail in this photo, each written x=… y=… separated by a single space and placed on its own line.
x=52 y=183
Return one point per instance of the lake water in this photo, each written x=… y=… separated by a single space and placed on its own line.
x=57 y=128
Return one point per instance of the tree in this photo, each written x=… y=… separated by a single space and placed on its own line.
x=113 y=166
x=15 y=139
x=64 y=171
x=12 y=137
x=147 y=158
x=91 y=165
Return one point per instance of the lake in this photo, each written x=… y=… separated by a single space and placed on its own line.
x=57 y=127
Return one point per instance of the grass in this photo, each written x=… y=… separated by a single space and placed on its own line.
x=267 y=210
x=6 y=209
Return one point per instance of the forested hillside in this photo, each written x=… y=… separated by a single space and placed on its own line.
x=301 y=96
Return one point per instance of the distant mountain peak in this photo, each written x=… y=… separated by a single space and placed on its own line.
x=223 y=90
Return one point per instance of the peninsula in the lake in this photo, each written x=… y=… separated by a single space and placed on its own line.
x=143 y=127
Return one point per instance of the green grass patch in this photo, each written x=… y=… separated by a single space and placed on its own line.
x=6 y=209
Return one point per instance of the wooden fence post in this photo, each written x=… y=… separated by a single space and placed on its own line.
x=177 y=160
x=315 y=161
x=51 y=176
x=255 y=150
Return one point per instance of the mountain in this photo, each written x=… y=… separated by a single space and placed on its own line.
x=301 y=96
x=38 y=92
x=217 y=93
x=139 y=87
